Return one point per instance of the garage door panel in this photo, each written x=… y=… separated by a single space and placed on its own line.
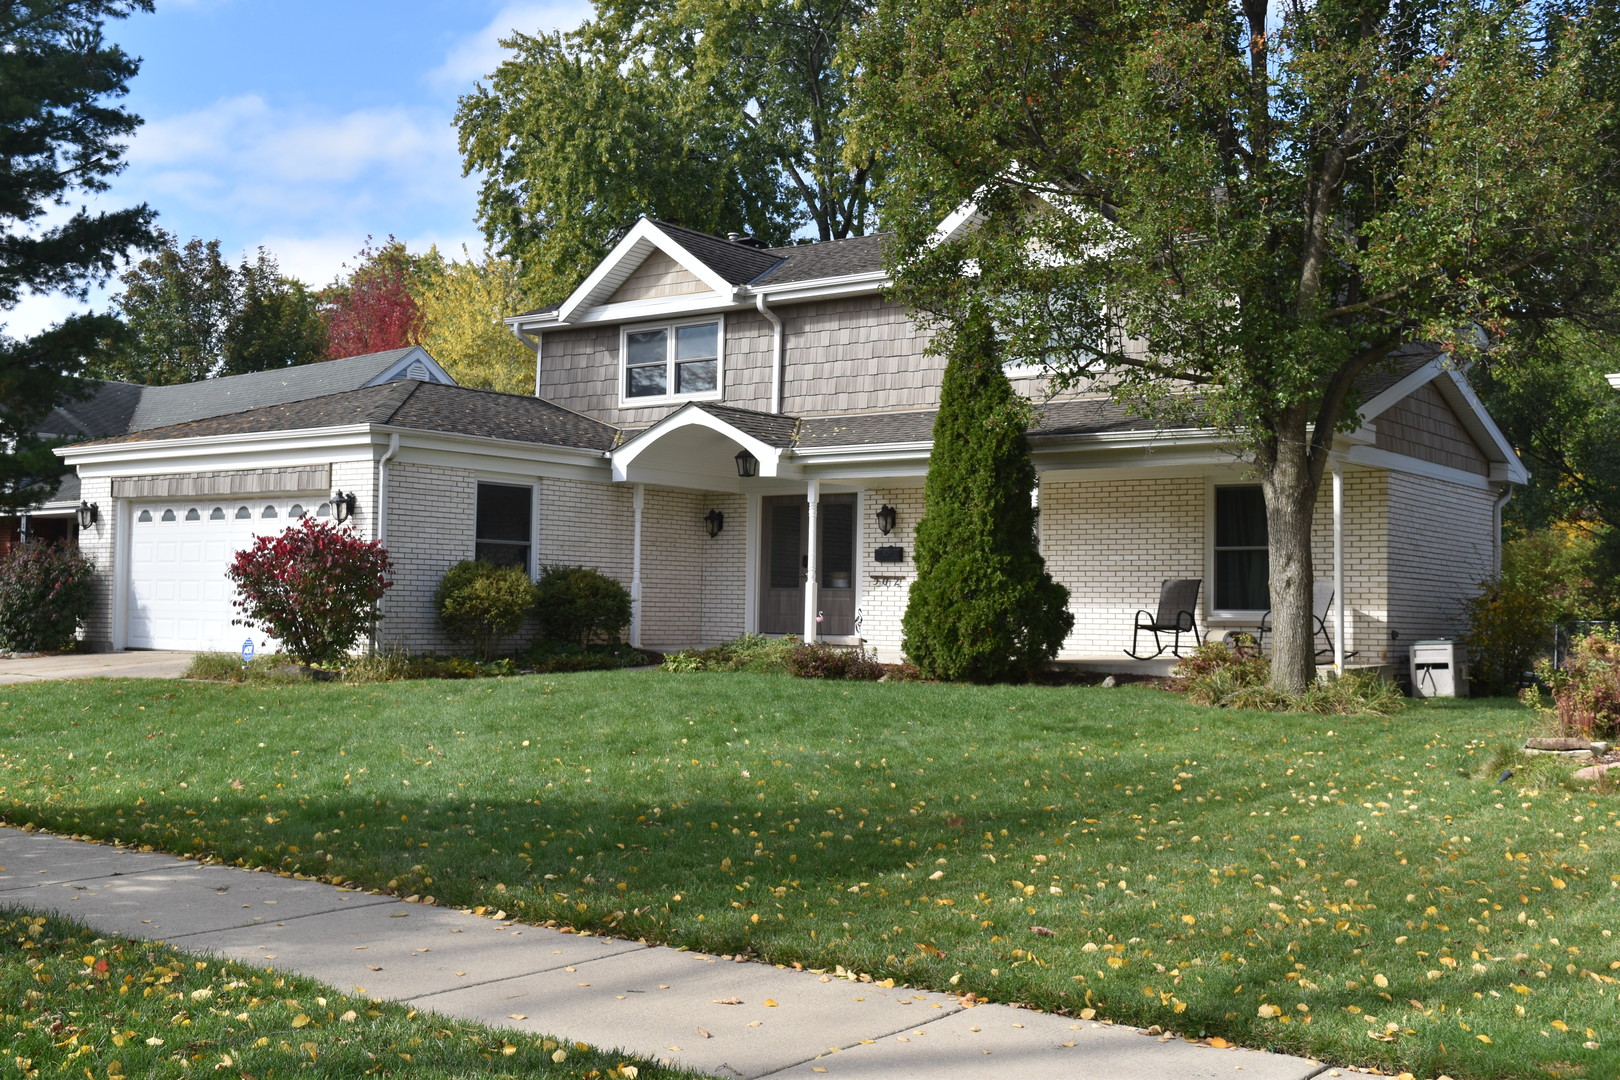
x=179 y=596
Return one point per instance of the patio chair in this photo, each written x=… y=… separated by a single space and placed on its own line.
x=1178 y=601
x=1321 y=606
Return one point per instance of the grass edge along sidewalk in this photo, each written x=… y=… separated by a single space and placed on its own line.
x=76 y=999
x=1027 y=844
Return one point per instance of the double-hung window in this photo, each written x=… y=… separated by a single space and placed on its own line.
x=682 y=360
x=1242 y=562
x=504 y=525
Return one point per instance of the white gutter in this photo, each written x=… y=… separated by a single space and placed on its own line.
x=382 y=487
x=777 y=344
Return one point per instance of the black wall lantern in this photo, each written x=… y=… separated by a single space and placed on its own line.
x=88 y=512
x=886 y=517
x=714 y=521
x=342 y=506
x=747 y=464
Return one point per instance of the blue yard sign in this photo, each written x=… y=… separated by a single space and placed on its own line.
x=247 y=650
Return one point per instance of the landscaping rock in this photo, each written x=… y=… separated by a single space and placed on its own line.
x=1592 y=772
x=1110 y=682
x=1565 y=744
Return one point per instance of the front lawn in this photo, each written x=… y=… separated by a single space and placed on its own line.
x=73 y=1000
x=1356 y=889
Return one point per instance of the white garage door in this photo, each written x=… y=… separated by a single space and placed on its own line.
x=179 y=596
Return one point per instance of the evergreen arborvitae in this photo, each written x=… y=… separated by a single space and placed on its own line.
x=983 y=607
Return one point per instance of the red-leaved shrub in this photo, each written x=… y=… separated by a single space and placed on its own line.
x=315 y=587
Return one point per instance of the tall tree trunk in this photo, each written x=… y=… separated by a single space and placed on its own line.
x=1290 y=484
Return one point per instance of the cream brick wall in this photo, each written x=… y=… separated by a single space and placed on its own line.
x=886 y=587
x=430 y=529
x=96 y=543
x=1111 y=542
x=1440 y=535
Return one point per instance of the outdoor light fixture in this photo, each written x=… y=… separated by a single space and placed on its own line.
x=747 y=464
x=715 y=521
x=886 y=518
x=88 y=512
x=342 y=506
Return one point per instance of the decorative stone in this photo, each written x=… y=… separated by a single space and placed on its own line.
x=1565 y=744
x=1560 y=753
x=1110 y=682
x=1592 y=772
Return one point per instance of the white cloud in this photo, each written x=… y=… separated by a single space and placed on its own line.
x=479 y=54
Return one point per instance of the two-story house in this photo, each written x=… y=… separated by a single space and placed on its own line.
x=741 y=435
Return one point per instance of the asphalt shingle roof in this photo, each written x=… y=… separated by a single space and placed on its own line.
x=107 y=411
x=830 y=258
x=407 y=404
x=773 y=429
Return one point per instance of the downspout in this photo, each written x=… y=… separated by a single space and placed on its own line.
x=533 y=343
x=1338 y=565
x=776 y=352
x=1496 y=522
x=638 y=503
x=382 y=506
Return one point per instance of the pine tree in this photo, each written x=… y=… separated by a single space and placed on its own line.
x=983 y=607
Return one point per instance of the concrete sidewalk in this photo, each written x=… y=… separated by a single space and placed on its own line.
x=693 y=1010
x=134 y=664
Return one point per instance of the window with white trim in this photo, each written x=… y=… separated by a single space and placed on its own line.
x=1242 y=560
x=503 y=526
x=680 y=360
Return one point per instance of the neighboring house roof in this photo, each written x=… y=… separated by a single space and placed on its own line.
x=406 y=403
x=163 y=405
x=108 y=410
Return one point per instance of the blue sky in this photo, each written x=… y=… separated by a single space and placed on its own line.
x=304 y=127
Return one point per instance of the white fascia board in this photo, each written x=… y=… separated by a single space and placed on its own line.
x=224 y=448
x=534 y=320
x=1464 y=401
x=873 y=281
x=1614 y=380
x=644 y=236
x=456 y=451
x=1378 y=404
x=1387 y=459
x=770 y=457
x=659 y=307
x=962 y=219
x=866 y=450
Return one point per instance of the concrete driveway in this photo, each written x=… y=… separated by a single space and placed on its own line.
x=135 y=664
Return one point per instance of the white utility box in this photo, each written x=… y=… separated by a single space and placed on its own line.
x=1439 y=669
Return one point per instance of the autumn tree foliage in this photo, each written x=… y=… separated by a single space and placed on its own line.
x=315 y=587
x=460 y=305
x=374 y=308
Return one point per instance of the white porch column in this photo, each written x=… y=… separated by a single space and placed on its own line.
x=638 y=500
x=812 y=557
x=1338 y=564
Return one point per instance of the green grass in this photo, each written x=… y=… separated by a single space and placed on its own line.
x=72 y=1001
x=1363 y=878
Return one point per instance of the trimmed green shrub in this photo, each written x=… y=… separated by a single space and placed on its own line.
x=578 y=605
x=983 y=608
x=46 y=592
x=478 y=604
x=315 y=587
x=819 y=660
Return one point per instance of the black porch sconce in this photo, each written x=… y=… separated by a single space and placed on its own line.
x=342 y=506
x=747 y=464
x=88 y=513
x=886 y=518
x=714 y=521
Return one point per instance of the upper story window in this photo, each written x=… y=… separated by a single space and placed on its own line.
x=681 y=360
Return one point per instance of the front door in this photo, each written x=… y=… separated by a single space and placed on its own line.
x=786 y=559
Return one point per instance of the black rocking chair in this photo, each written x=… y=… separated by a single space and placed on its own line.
x=1178 y=600
x=1321 y=608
